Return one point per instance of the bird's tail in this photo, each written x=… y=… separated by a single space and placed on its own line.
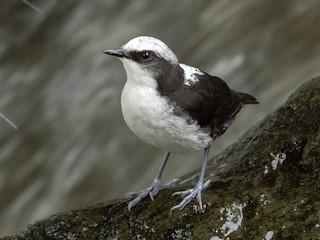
x=247 y=98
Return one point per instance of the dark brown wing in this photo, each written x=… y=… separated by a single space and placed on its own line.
x=210 y=101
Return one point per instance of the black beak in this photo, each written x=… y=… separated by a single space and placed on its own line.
x=115 y=52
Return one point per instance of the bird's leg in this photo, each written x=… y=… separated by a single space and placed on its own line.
x=196 y=191
x=155 y=187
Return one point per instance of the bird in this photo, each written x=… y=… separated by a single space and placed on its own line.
x=175 y=107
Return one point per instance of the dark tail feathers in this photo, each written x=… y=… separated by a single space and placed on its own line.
x=246 y=98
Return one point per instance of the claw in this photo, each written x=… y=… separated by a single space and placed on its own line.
x=206 y=184
x=172 y=183
x=155 y=187
x=136 y=200
x=182 y=193
x=189 y=194
x=131 y=194
x=196 y=191
x=183 y=203
x=199 y=200
x=151 y=196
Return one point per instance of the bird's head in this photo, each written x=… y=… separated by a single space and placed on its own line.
x=144 y=58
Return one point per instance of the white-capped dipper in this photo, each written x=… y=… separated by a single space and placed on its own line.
x=173 y=106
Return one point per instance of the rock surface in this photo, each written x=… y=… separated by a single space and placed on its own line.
x=266 y=186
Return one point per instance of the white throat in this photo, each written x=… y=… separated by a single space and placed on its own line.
x=137 y=75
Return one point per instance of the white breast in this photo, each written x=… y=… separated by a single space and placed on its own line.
x=151 y=118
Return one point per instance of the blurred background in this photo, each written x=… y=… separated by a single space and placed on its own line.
x=73 y=148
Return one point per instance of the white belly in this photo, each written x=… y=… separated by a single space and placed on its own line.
x=151 y=118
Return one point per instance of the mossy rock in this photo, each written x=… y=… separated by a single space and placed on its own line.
x=266 y=186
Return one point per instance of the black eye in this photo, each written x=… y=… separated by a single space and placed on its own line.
x=145 y=55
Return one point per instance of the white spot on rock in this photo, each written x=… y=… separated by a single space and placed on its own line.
x=269 y=235
x=234 y=217
x=215 y=238
x=277 y=159
x=263 y=199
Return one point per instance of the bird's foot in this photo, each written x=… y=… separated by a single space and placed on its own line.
x=155 y=187
x=189 y=194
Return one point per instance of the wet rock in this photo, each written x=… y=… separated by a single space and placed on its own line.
x=266 y=186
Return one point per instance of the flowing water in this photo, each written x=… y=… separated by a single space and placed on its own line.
x=72 y=148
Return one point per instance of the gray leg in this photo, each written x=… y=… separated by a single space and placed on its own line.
x=196 y=191
x=155 y=187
